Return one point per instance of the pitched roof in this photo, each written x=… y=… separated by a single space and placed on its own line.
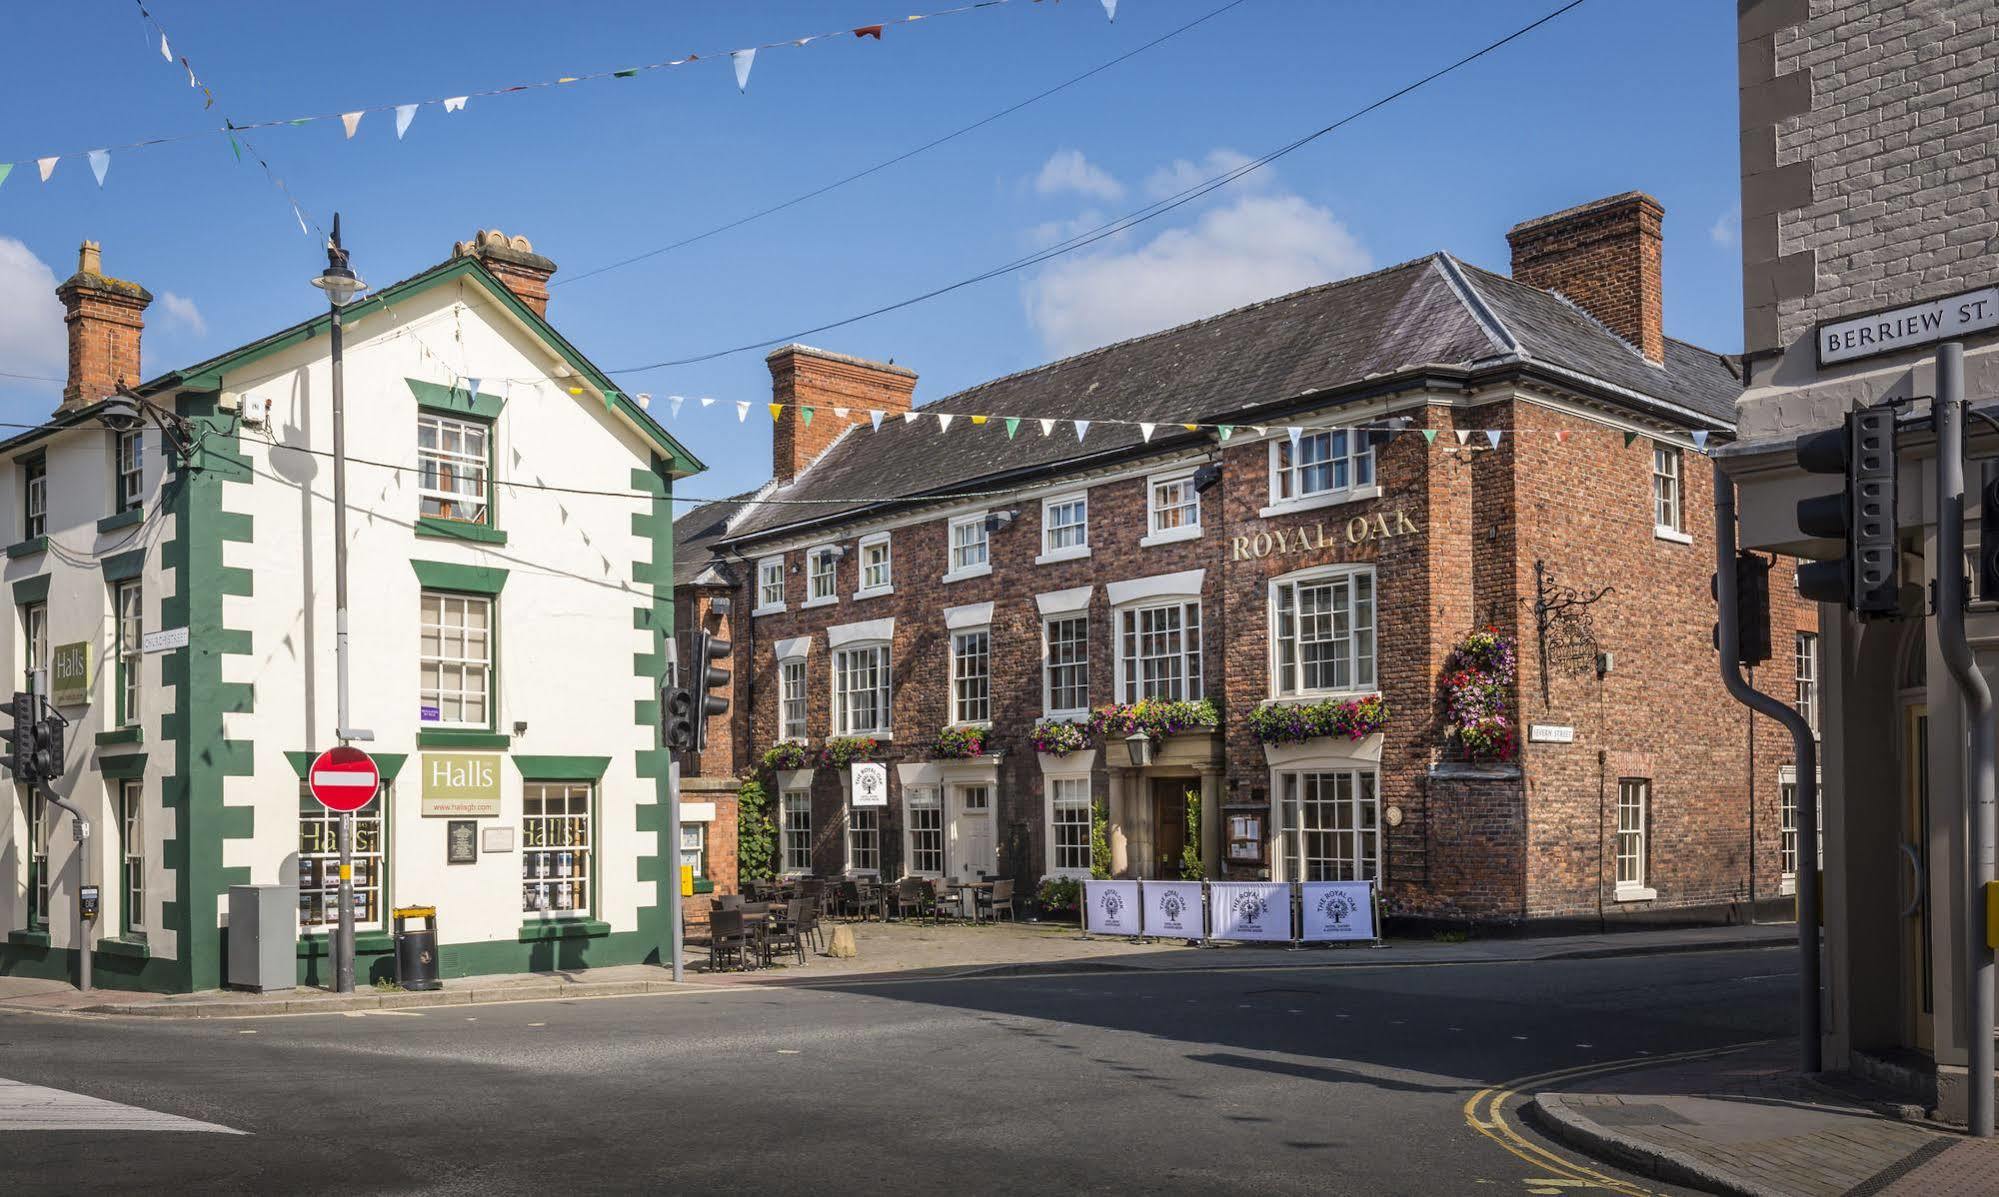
x=695 y=532
x=1432 y=311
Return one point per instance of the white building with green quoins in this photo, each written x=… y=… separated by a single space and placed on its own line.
x=510 y=556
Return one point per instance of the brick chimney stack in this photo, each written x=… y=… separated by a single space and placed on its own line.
x=801 y=376
x=525 y=272
x=1605 y=258
x=105 y=317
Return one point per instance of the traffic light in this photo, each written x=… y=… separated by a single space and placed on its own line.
x=1988 y=533
x=20 y=738
x=707 y=678
x=1861 y=513
x=1752 y=608
x=676 y=704
x=47 y=761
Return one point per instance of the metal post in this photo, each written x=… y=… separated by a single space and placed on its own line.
x=1805 y=751
x=343 y=971
x=1963 y=663
x=675 y=909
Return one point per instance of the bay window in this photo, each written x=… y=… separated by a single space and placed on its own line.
x=861 y=690
x=1159 y=653
x=1322 y=632
x=1329 y=825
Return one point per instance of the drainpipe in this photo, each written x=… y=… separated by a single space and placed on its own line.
x=1977 y=696
x=1805 y=751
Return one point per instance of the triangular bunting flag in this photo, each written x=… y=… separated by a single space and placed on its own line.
x=944 y=421
x=873 y=31
x=235 y=148
x=1429 y=436
x=1562 y=436
x=743 y=60
x=567 y=79
x=6 y=168
x=1225 y=431
x=776 y=410
x=576 y=390
x=191 y=80
x=1012 y=426
x=742 y=410
x=805 y=416
x=1191 y=427
x=1145 y=431
x=610 y=399
x=875 y=418
x=1628 y=438
x=165 y=52
x=301 y=220
x=707 y=400
x=472 y=387
x=1048 y=428
x=1492 y=437
x=1464 y=434
x=351 y=121
x=48 y=166
x=1110 y=9
x=1700 y=439
x=455 y=103
x=840 y=412
x=673 y=403
x=980 y=420
x=100 y=162
x=1294 y=432
x=624 y=74
x=910 y=417
x=1082 y=429
x=1261 y=429
x=405 y=113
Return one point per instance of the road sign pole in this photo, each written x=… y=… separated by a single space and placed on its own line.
x=344 y=780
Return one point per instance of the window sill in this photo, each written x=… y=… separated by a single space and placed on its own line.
x=1072 y=553
x=980 y=571
x=1677 y=537
x=431 y=527
x=537 y=930
x=777 y=610
x=878 y=592
x=1171 y=536
x=124 y=519
x=122 y=735
x=29 y=547
x=828 y=601
x=1315 y=502
x=449 y=738
x=1788 y=887
x=313 y=945
x=1636 y=893
x=1078 y=716
x=28 y=939
x=1306 y=698
x=882 y=736
x=134 y=948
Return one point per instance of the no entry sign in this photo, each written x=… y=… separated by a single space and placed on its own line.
x=344 y=779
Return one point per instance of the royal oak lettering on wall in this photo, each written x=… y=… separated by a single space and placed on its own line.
x=1283 y=540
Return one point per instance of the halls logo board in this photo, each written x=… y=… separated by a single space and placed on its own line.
x=460 y=785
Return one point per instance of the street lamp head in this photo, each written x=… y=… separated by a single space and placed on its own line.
x=339 y=281
x=120 y=414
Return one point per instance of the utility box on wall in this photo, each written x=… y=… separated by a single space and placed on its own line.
x=263 y=937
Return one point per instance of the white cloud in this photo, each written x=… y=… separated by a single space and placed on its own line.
x=181 y=310
x=32 y=337
x=1068 y=170
x=1254 y=248
x=1051 y=232
x=1727 y=229
x=1182 y=174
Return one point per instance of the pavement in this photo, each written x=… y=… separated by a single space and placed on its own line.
x=1746 y=1122
x=895 y=950
x=1350 y=1079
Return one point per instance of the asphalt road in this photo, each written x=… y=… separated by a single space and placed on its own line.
x=1322 y=1080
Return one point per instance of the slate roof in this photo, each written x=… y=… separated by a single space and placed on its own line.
x=1433 y=311
x=695 y=532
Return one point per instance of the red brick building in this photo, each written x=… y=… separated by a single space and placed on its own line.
x=1378 y=467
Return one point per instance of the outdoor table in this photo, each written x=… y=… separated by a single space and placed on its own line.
x=966 y=892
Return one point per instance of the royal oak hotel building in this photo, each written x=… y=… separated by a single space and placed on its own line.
x=1376 y=469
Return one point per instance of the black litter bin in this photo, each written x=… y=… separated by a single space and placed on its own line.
x=416 y=950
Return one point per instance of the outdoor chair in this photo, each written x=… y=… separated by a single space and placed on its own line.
x=726 y=938
x=990 y=902
x=789 y=932
x=943 y=902
x=849 y=898
x=868 y=895
x=807 y=921
x=911 y=895
x=728 y=902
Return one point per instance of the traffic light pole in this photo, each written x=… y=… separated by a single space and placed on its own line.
x=1979 y=783
x=1805 y=750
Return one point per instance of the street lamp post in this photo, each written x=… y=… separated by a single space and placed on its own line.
x=341 y=285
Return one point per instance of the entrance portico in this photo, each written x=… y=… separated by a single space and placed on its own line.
x=1148 y=804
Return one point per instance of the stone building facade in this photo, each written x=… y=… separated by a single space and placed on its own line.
x=1308 y=502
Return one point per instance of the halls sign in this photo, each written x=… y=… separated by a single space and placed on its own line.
x=1904 y=327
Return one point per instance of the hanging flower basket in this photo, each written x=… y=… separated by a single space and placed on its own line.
x=845 y=750
x=1059 y=737
x=783 y=758
x=1351 y=718
x=1477 y=686
x=961 y=743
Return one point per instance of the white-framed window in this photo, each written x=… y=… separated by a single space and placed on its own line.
x=1787 y=825
x=864 y=839
x=1329 y=824
x=35 y=497
x=557 y=860
x=132 y=856
x=452 y=461
x=1806 y=648
x=795 y=832
x=1634 y=833
x=131 y=649
x=39 y=816
x=1172 y=508
x=770 y=584
x=1066 y=657
x=1666 y=513
x=791 y=697
x=1322 y=632
x=319 y=863
x=971 y=676
x=969 y=547
x=1069 y=825
x=455 y=659
x=861 y=690
x=1327 y=465
x=822 y=576
x=694 y=848
x=976 y=799
x=923 y=816
x=131 y=470
x=1159 y=651
x=35 y=643
x=1065 y=527
x=877 y=566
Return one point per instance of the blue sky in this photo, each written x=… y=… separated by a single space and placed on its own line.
x=1619 y=94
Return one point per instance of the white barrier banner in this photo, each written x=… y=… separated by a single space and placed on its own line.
x=1259 y=910
x=1110 y=907
x=1173 y=909
x=1338 y=910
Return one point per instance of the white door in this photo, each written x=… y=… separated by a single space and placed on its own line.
x=972 y=843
